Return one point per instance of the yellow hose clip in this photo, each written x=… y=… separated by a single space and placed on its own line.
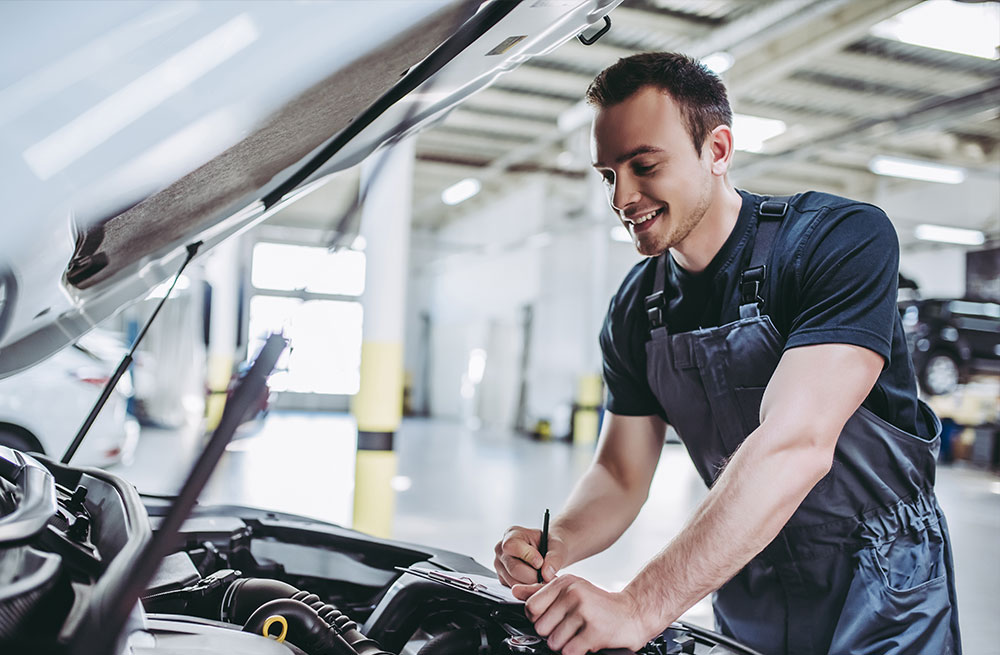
x=271 y=620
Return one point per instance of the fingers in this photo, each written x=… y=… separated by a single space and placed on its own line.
x=517 y=558
x=555 y=612
x=579 y=644
x=551 y=566
x=542 y=595
x=521 y=544
x=560 y=611
x=564 y=632
x=502 y=573
x=520 y=571
x=513 y=571
x=525 y=591
x=576 y=617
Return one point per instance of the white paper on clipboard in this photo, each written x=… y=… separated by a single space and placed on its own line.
x=480 y=585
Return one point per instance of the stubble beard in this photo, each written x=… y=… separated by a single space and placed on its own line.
x=652 y=244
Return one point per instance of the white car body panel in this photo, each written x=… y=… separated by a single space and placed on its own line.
x=51 y=401
x=125 y=98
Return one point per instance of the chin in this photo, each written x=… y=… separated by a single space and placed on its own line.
x=649 y=245
x=647 y=250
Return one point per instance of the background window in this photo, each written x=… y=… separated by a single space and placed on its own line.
x=325 y=336
x=287 y=267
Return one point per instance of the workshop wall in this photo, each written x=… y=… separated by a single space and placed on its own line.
x=456 y=283
x=939 y=270
x=519 y=250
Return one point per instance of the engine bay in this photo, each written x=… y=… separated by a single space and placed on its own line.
x=238 y=580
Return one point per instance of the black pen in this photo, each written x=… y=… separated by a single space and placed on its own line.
x=543 y=543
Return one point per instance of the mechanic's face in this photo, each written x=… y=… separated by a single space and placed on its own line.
x=657 y=183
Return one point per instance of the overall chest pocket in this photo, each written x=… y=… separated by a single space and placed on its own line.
x=912 y=560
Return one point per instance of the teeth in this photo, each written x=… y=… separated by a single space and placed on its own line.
x=642 y=219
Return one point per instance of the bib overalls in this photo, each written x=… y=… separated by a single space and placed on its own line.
x=864 y=565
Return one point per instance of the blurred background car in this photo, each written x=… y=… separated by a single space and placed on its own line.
x=951 y=340
x=72 y=379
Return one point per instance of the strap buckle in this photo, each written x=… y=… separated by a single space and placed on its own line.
x=654 y=310
x=750 y=281
x=773 y=208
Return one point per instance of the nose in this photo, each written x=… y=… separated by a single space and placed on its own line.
x=622 y=192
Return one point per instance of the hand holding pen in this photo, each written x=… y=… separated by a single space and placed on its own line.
x=529 y=555
x=543 y=543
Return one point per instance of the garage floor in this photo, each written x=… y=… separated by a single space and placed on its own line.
x=459 y=489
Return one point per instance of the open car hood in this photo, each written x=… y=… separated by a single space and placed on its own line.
x=132 y=130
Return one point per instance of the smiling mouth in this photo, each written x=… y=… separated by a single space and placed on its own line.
x=640 y=223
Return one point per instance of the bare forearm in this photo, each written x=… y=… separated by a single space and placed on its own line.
x=751 y=501
x=598 y=511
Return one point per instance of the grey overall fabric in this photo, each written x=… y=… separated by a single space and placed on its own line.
x=864 y=565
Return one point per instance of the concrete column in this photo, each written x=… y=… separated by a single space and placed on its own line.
x=590 y=396
x=385 y=225
x=222 y=271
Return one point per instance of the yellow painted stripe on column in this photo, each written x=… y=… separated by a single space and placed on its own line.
x=585 y=426
x=590 y=390
x=374 y=499
x=218 y=372
x=588 y=398
x=378 y=405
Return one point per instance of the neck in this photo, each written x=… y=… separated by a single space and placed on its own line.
x=699 y=247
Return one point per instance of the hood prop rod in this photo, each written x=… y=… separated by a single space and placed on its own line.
x=192 y=249
x=103 y=632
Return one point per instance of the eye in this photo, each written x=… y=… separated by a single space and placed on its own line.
x=643 y=170
x=608 y=177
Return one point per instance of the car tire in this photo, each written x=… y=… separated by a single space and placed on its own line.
x=18 y=441
x=941 y=374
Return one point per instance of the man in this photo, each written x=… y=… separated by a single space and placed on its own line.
x=766 y=332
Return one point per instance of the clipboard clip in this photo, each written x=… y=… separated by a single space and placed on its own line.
x=453 y=580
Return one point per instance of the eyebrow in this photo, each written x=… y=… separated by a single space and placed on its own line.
x=635 y=152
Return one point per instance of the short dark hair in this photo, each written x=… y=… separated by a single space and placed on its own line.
x=697 y=90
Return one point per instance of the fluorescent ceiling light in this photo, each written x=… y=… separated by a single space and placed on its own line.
x=950 y=235
x=750 y=132
x=916 y=170
x=619 y=233
x=965 y=28
x=719 y=62
x=122 y=108
x=461 y=191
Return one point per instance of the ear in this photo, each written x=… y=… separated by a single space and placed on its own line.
x=719 y=148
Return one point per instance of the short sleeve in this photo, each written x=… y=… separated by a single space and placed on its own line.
x=846 y=278
x=623 y=352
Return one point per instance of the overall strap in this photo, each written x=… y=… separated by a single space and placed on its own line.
x=656 y=308
x=769 y=217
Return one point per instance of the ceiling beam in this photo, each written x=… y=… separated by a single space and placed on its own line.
x=737 y=31
x=820 y=29
x=937 y=113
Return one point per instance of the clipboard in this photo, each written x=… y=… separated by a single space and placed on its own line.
x=478 y=585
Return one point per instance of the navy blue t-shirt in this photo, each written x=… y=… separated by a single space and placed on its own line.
x=832 y=278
